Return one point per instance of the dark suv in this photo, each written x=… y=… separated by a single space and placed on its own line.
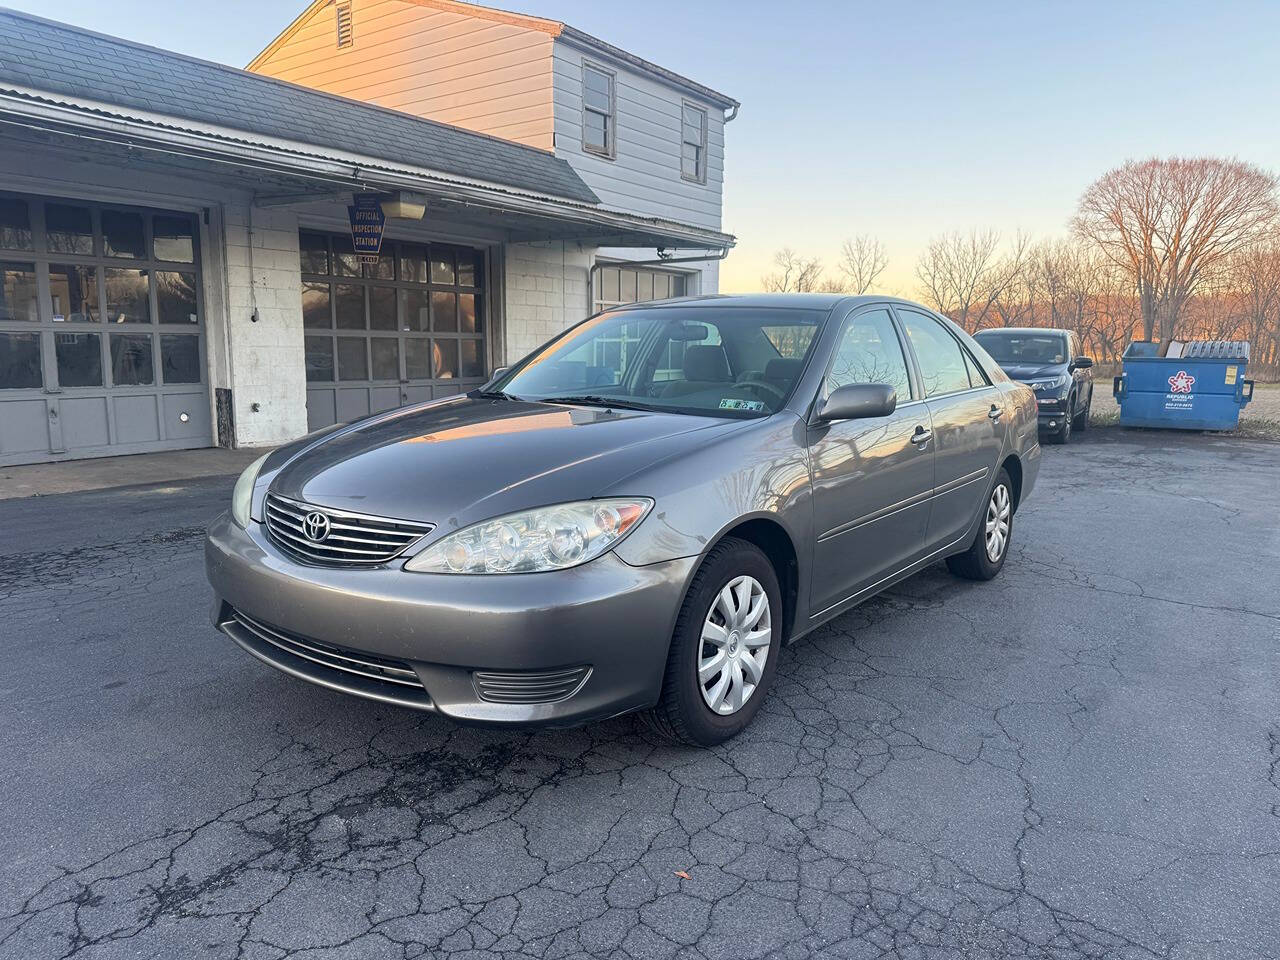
x=1049 y=362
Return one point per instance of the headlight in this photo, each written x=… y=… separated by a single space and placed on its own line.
x=242 y=494
x=1051 y=384
x=548 y=538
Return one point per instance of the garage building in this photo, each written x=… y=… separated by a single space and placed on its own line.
x=178 y=268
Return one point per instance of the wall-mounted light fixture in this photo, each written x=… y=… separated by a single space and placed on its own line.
x=404 y=205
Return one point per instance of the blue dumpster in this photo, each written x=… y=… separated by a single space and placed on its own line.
x=1201 y=388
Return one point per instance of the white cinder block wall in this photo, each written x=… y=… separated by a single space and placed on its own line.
x=268 y=362
x=546 y=291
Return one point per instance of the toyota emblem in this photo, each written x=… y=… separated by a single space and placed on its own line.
x=316 y=526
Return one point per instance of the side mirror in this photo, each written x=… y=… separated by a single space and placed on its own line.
x=858 y=401
x=1081 y=363
x=496 y=375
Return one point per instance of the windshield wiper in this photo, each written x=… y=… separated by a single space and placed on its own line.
x=496 y=395
x=594 y=400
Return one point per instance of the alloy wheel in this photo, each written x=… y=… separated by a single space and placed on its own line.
x=997 y=530
x=736 y=635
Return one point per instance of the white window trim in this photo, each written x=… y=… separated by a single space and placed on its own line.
x=611 y=126
x=701 y=176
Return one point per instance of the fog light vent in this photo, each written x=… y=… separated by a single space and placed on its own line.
x=540 y=686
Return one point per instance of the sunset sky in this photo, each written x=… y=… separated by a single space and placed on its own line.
x=897 y=120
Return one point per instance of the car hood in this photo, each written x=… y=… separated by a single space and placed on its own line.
x=1033 y=371
x=465 y=459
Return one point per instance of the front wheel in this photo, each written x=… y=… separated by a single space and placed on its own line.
x=985 y=556
x=724 y=649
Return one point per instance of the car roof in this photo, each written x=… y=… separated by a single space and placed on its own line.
x=784 y=301
x=1040 y=330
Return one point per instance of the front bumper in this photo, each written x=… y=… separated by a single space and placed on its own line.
x=1051 y=411
x=533 y=630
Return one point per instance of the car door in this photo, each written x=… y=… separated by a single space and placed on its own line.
x=966 y=412
x=871 y=478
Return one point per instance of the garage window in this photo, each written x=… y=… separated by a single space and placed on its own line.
x=18 y=295
x=616 y=285
x=619 y=284
x=98 y=264
x=15 y=224
x=414 y=315
x=19 y=361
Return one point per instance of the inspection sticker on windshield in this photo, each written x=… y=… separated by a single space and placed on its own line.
x=754 y=405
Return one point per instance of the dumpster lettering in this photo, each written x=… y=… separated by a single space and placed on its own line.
x=1181 y=382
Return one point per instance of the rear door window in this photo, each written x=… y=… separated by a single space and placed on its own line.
x=977 y=377
x=942 y=363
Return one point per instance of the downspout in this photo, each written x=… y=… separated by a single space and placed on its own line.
x=591 y=274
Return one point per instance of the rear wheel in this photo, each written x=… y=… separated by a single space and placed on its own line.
x=985 y=556
x=724 y=649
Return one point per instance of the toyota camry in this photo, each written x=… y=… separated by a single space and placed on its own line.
x=634 y=517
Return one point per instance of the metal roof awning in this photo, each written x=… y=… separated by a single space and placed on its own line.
x=314 y=173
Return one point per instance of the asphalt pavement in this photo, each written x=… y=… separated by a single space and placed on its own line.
x=1079 y=759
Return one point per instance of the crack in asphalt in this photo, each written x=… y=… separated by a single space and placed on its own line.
x=949 y=770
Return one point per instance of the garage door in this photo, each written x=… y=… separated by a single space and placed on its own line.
x=617 y=284
x=100 y=331
x=408 y=328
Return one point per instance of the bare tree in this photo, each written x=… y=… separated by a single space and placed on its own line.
x=963 y=275
x=1170 y=223
x=794 y=274
x=862 y=260
x=1255 y=285
x=1118 y=314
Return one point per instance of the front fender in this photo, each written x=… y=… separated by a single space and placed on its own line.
x=759 y=472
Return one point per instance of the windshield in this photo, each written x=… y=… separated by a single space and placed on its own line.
x=731 y=361
x=1037 y=348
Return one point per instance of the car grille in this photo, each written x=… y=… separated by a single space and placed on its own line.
x=350 y=539
x=542 y=686
x=326 y=661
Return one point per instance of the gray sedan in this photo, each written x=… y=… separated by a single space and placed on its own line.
x=636 y=516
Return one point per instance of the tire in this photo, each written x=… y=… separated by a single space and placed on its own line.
x=1082 y=418
x=683 y=712
x=1063 y=433
x=976 y=563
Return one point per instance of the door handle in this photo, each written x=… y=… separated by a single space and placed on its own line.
x=995 y=413
x=921 y=436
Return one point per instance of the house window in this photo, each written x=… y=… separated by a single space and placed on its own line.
x=693 y=144
x=344 y=24
x=598 y=111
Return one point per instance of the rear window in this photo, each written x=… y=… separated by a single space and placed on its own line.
x=1038 y=348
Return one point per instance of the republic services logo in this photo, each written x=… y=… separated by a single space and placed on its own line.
x=1181 y=382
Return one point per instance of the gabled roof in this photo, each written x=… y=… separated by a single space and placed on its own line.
x=553 y=28
x=57 y=59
